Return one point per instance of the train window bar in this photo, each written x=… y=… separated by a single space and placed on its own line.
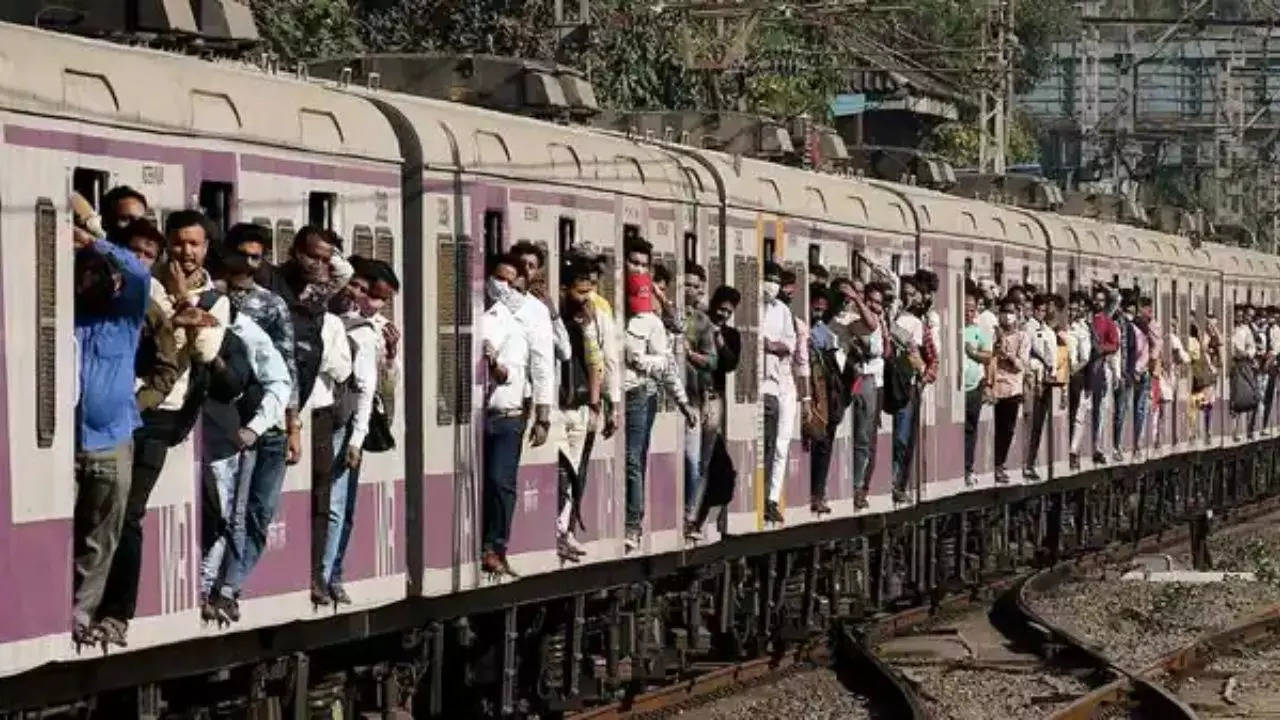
x=690 y=247
x=215 y=202
x=968 y=272
x=320 y=209
x=770 y=249
x=997 y=272
x=91 y=184
x=1026 y=274
x=567 y=230
x=494 y=242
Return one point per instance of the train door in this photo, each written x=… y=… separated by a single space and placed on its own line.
x=665 y=503
x=744 y=250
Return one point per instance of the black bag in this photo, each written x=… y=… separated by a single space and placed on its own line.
x=722 y=478
x=1244 y=388
x=379 y=439
x=899 y=381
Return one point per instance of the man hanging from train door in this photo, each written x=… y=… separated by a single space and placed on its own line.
x=829 y=393
x=1104 y=356
x=111 y=296
x=858 y=329
x=509 y=361
x=604 y=330
x=1150 y=347
x=1079 y=385
x=700 y=364
x=719 y=475
x=580 y=391
x=361 y=423
x=647 y=355
x=1038 y=378
x=903 y=376
x=245 y=248
x=778 y=334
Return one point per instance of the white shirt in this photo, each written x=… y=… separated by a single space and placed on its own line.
x=365 y=339
x=648 y=357
x=1041 y=351
x=910 y=328
x=778 y=325
x=1242 y=344
x=335 y=362
x=269 y=370
x=1079 y=344
x=510 y=342
x=988 y=321
x=536 y=318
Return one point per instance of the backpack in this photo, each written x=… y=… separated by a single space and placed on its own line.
x=379 y=437
x=1244 y=388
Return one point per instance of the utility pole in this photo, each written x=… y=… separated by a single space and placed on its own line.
x=995 y=96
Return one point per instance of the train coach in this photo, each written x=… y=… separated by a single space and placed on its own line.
x=435 y=188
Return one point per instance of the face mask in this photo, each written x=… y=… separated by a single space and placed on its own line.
x=1008 y=319
x=769 y=290
x=499 y=291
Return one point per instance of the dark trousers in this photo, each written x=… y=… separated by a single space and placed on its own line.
x=972 y=414
x=502 y=438
x=1039 y=413
x=321 y=486
x=1006 y=420
x=865 y=424
x=150 y=448
x=820 y=460
x=770 y=437
x=904 y=440
x=1075 y=388
x=1268 y=395
x=641 y=411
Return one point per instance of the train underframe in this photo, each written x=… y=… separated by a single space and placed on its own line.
x=526 y=650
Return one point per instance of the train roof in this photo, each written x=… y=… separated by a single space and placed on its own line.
x=46 y=72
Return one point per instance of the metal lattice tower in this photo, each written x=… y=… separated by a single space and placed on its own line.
x=996 y=94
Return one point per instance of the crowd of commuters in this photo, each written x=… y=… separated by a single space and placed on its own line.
x=184 y=326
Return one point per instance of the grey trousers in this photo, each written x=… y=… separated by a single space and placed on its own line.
x=102 y=488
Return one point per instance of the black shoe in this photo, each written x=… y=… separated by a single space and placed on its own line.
x=339 y=594
x=771 y=513
x=819 y=506
x=1074 y=462
x=226 y=610
x=319 y=593
x=1002 y=477
x=1099 y=459
x=114 y=631
x=1031 y=474
x=207 y=612
x=900 y=496
x=860 y=499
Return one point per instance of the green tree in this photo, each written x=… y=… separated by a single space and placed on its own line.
x=300 y=30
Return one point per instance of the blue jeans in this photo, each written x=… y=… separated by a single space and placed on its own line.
x=903 y=430
x=692 y=467
x=231 y=477
x=641 y=411
x=1141 y=408
x=342 y=507
x=502 y=444
x=257 y=507
x=1123 y=397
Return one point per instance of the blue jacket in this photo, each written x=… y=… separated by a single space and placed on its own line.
x=107 y=413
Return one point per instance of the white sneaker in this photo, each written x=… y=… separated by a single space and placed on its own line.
x=574 y=545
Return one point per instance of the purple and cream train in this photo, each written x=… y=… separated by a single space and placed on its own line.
x=431 y=186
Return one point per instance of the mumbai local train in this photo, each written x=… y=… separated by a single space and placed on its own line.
x=433 y=187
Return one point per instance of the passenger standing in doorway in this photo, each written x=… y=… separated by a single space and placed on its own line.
x=1244 y=352
x=1080 y=386
x=828 y=393
x=778 y=333
x=1042 y=352
x=372 y=288
x=1150 y=348
x=1106 y=345
x=700 y=364
x=581 y=386
x=903 y=384
x=1011 y=350
x=977 y=355
x=508 y=356
x=246 y=246
x=859 y=330
x=728 y=346
x=111 y=296
x=648 y=366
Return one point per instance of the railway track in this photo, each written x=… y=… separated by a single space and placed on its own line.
x=964 y=637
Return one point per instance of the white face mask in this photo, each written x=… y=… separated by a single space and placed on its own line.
x=1008 y=319
x=499 y=291
x=769 y=290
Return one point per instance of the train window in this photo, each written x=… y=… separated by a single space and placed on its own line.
x=46 y=321
x=1026 y=274
x=91 y=184
x=815 y=254
x=272 y=252
x=997 y=272
x=362 y=241
x=895 y=264
x=968 y=270
x=566 y=230
x=770 y=249
x=453 y=291
x=494 y=241
x=320 y=208
x=690 y=247
x=215 y=202
x=283 y=239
